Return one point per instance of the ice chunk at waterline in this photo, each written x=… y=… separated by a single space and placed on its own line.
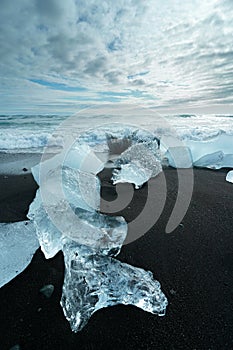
x=229 y=176
x=216 y=160
x=95 y=281
x=58 y=221
x=210 y=160
x=138 y=163
x=18 y=243
x=179 y=157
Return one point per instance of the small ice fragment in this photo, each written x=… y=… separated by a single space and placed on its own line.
x=179 y=157
x=47 y=290
x=131 y=173
x=138 y=163
x=229 y=176
x=18 y=243
x=95 y=281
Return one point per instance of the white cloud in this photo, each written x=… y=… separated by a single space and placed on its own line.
x=186 y=47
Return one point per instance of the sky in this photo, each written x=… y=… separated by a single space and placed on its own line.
x=57 y=56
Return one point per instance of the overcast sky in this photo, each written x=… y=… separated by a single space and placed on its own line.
x=58 y=54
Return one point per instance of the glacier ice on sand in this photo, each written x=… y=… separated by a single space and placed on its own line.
x=138 y=163
x=18 y=243
x=95 y=281
x=70 y=221
x=229 y=176
x=65 y=216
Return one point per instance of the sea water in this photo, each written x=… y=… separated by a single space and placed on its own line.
x=203 y=135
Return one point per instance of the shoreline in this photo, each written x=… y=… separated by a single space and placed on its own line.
x=193 y=264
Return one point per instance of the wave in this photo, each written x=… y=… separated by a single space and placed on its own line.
x=203 y=135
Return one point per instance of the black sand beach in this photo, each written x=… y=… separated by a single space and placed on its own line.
x=194 y=265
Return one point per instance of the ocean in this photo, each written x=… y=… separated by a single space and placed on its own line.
x=205 y=135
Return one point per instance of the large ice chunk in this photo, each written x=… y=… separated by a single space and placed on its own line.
x=138 y=163
x=79 y=188
x=179 y=157
x=229 y=176
x=50 y=237
x=216 y=160
x=66 y=216
x=81 y=157
x=18 y=243
x=95 y=281
x=212 y=160
x=55 y=222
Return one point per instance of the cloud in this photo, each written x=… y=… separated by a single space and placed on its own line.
x=177 y=53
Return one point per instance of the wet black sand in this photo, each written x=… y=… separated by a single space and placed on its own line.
x=194 y=265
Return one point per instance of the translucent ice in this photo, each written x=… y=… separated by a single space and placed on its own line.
x=81 y=189
x=179 y=157
x=95 y=281
x=78 y=188
x=132 y=173
x=215 y=160
x=80 y=158
x=66 y=216
x=229 y=176
x=18 y=243
x=212 y=160
x=56 y=222
x=138 y=163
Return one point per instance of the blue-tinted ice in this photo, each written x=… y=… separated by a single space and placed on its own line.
x=229 y=177
x=67 y=218
x=138 y=163
x=95 y=281
x=18 y=243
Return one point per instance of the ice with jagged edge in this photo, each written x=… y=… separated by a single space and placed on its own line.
x=18 y=243
x=229 y=177
x=138 y=164
x=179 y=157
x=132 y=173
x=216 y=160
x=95 y=281
x=101 y=232
x=69 y=220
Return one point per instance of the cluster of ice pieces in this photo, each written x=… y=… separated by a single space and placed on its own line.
x=66 y=217
x=215 y=153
